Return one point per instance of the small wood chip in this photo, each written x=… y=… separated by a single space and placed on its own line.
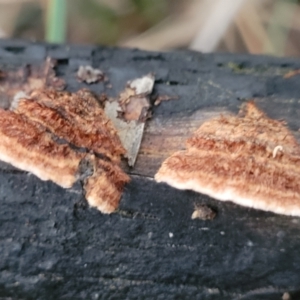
x=203 y=212
x=291 y=74
x=161 y=98
x=286 y=296
x=89 y=75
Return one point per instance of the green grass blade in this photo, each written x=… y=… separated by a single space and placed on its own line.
x=56 y=21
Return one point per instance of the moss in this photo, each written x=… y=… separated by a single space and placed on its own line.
x=261 y=70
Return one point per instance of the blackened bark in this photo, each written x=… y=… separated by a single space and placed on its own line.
x=53 y=246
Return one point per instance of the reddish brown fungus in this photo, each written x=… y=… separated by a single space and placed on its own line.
x=249 y=159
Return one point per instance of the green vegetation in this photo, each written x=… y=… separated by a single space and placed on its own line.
x=56 y=21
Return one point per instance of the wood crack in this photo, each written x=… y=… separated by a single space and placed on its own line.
x=130 y=214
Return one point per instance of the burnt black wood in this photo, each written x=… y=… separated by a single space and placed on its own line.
x=53 y=246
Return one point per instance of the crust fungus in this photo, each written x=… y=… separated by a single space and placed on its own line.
x=27 y=146
x=249 y=159
x=76 y=118
x=64 y=137
x=107 y=182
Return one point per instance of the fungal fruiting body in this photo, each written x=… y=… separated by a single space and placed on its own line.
x=64 y=137
x=27 y=146
x=248 y=159
x=76 y=118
